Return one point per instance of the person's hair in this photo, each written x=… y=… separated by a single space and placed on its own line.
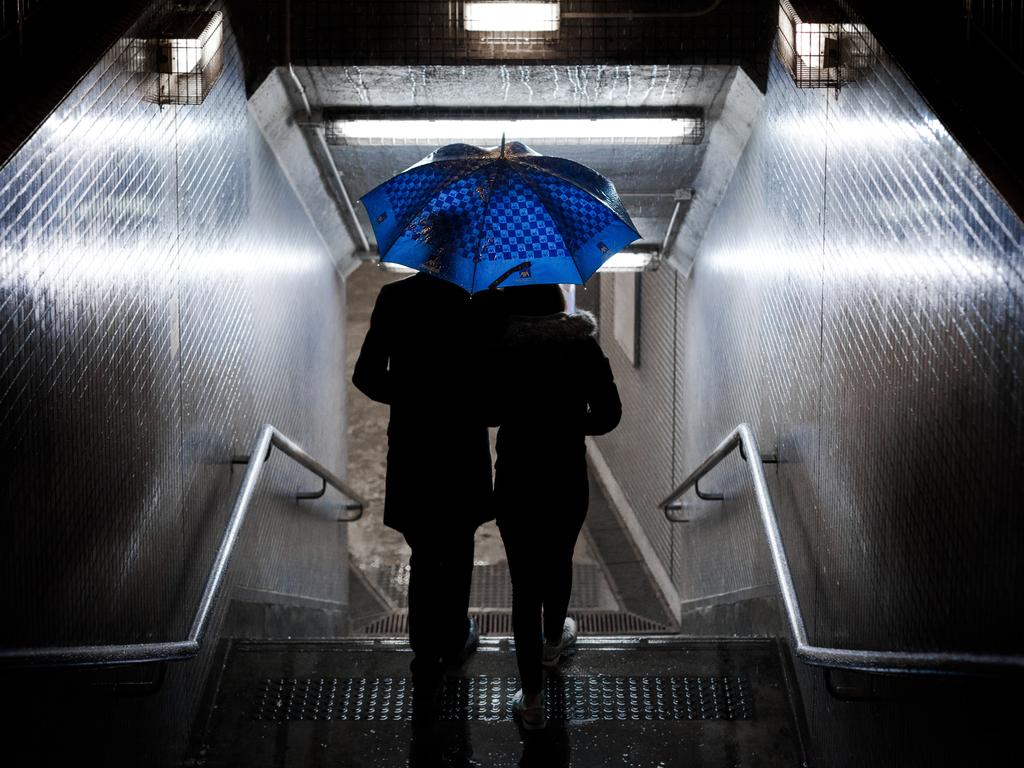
x=534 y=299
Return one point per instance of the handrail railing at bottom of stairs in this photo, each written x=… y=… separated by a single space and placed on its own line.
x=865 y=660
x=138 y=653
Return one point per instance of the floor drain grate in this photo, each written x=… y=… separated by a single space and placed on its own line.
x=492 y=587
x=489 y=699
x=590 y=622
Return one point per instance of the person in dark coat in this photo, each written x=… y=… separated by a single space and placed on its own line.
x=418 y=357
x=552 y=386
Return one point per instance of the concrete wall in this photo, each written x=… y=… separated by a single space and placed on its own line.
x=162 y=294
x=857 y=300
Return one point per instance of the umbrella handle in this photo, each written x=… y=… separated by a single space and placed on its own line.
x=505 y=275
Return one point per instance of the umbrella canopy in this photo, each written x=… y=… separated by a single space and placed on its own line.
x=476 y=217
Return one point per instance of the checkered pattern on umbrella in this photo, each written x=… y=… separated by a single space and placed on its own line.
x=577 y=213
x=518 y=226
x=466 y=214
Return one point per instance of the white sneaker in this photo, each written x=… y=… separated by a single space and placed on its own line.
x=553 y=652
x=533 y=717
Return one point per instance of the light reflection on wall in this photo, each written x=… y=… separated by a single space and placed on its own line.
x=162 y=294
x=859 y=262
x=88 y=266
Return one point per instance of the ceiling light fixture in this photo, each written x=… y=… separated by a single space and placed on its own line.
x=402 y=129
x=632 y=260
x=629 y=260
x=511 y=17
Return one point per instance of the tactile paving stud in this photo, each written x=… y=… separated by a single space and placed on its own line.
x=489 y=699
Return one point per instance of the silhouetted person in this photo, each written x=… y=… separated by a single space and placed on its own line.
x=418 y=357
x=552 y=386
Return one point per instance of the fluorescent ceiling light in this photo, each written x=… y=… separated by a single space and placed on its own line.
x=624 y=261
x=401 y=269
x=644 y=130
x=630 y=261
x=511 y=17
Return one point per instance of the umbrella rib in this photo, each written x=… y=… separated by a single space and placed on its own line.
x=483 y=225
x=441 y=185
x=572 y=256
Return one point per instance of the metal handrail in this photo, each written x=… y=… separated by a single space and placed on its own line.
x=870 y=661
x=139 y=653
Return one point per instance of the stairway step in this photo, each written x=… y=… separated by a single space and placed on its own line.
x=640 y=701
x=489 y=622
x=492 y=586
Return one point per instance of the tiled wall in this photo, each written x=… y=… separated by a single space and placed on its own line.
x=163 y=295
x=857 y=300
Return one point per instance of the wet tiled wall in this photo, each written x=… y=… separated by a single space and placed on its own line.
x=163 y=295
x=857 y=300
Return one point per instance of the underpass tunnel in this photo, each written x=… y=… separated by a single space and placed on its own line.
x=829 y=266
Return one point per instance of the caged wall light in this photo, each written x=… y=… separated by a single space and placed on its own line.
x=819 y=45
x=527 y=29
x=188 y=57
x=511 y=17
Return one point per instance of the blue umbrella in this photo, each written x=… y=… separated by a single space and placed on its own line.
x=509 y=215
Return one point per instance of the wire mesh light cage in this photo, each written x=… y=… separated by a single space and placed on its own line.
x=188 y=57
x=820 y=46
x=522 y=29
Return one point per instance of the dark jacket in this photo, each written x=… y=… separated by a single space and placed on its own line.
x=421 y=357
x=553 y=386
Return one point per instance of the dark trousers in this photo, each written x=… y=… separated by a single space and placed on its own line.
x=440 y=574
x=539 y=542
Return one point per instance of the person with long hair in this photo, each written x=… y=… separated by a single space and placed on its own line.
x=552 y=386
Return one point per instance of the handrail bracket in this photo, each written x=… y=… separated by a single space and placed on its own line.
x=705 y=495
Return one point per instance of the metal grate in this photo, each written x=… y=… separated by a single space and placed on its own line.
x=439 y=32
x=492 y=587
x=607 y=33
x=593 y=622
x=489 y=699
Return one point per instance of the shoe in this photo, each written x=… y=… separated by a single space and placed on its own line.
x=553 y=652
x=531 y=718
x=468 y=648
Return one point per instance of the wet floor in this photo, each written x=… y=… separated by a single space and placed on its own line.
x=614 y=703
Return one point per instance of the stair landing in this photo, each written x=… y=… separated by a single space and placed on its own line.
x=653 y=702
